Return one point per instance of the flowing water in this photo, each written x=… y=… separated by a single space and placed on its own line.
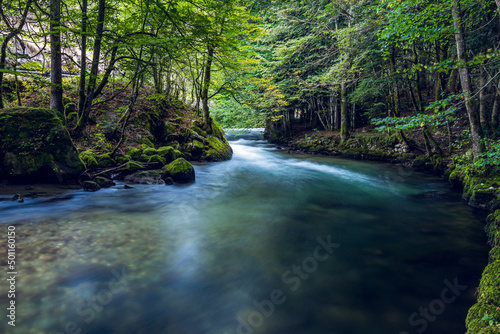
x=266 y=243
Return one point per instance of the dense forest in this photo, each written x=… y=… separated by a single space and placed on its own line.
x=426 y=69
x=139 y=88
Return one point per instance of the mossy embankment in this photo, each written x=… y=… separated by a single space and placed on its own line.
x=38 y=145
x=479 y=192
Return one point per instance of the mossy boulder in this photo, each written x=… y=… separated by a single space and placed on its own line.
x=104 y=182
x=36 y=147
x=217 y=148
x=169 y=153
x=157 y=159
x=91 y=186
x=180 y=170
x=150 y=152
x=105 y=161
x=134 y=153
x=134 y=166
x=89 y=158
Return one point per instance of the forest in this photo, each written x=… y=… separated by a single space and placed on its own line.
x=95 y=93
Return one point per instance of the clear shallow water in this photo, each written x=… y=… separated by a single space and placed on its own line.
x=240 y=251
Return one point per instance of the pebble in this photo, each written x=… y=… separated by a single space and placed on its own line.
x=47 y=257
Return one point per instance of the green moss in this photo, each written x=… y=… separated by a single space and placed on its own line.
x=133 y=166
x=103 y=182
x=199 y=131
x=146 y=143
x=122 y=159
x=105 y=161
x=475 y=323
x=218 y=150
x=157 y=158
x=36 y=146
x=88 y=157
x=456 y=178
x=149 y=152
x=134 y=153
x=169 y=153
x=180 y=170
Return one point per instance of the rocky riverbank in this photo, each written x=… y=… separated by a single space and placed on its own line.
x=157 y=145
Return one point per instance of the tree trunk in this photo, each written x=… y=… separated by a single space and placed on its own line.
x=482 y=104
x=56 y=90
x=417 y=74
x=83 y=60
x=206 y=87
x=5 y=42
x=395 y=91
x=344 y=113
x=84 y=117
x=477 y=145
x=494 y=112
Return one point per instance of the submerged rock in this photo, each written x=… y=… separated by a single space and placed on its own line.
x=104 y=182
x=180 y=170
x=91 y=186
x=146 y=177
x=36 y=147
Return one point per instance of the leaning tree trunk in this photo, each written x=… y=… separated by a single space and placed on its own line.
x=477 y=145
x=56 y=90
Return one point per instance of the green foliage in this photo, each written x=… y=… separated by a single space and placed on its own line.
x=486 y=164
x=489 y=319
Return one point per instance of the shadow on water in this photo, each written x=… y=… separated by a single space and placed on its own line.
x=265 y=243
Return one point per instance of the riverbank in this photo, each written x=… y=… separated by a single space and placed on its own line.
x=479 y=192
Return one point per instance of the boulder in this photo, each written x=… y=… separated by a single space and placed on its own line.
x=104 y=182
x=105 y=161
x=36 y=147
x=91 y=186
x=180 y=170
x=146 y=177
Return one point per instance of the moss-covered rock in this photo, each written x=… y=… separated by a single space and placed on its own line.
x=104 y=182
x=169 y=153
x=488 y=294
x=122 y=159
x=217 y=148
x=157 y=159
x=36 y=147
x=134 y=166
x=180 y=170
x=456 y=178
x=150 y=152
x=91 y=186
x=134 y=153
x=105 y=161
x=89 y=158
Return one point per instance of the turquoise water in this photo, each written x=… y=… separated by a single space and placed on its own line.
x=266 y=243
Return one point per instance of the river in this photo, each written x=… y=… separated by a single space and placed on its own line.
x=266 y=243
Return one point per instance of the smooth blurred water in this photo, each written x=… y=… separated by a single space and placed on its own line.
x=207 y=258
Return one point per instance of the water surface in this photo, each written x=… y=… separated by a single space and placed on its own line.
x=240 y=251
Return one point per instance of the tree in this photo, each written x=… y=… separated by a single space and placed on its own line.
x=13 y=31
x=56 y=89
x=477 y=145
